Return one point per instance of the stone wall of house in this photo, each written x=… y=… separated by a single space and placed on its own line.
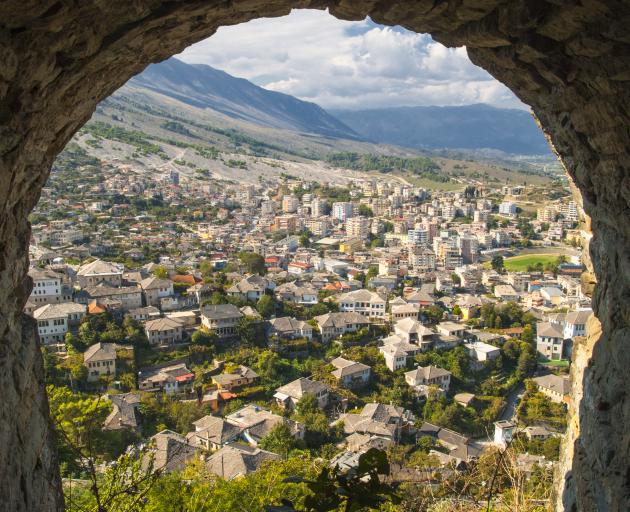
x=569 y=60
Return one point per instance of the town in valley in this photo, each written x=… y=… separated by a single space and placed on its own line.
x=190 y=320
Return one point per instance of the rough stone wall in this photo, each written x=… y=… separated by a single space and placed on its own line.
x=569 y=60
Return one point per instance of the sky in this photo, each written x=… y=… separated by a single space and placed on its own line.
x=348 y=64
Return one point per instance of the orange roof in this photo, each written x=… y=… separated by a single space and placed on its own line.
x=95 y=308
x=226 y=395
x=184 y=278
x=337 y=285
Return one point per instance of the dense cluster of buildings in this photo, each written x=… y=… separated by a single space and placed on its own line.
x=383 y=256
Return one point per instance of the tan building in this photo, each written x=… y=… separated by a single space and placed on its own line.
x=222 y=319
x=99 y=271
x=100 y=360
x=155 y=289
x=164 y=331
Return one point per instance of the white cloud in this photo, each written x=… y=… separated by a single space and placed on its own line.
x=341 y=64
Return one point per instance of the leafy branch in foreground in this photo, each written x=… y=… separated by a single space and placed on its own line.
x=354 y=490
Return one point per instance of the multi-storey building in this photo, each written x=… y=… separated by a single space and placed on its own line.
x=358 y=227
x=342 y=211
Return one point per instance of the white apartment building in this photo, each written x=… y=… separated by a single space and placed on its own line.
x=342 y=211
x=418 y=236
x=507 y=208
x=53 y=321
x=358 y=227
x=365 y=302
x=46 y=286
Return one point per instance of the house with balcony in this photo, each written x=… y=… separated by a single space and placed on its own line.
x=422 y=377
x=164 y=331
x=222 y=319
x=350 y=374
x=370 y=304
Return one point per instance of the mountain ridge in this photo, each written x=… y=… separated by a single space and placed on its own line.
x=205 y=87
x=468 y=127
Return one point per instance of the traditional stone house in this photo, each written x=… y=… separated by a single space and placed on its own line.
x=100 y=360
x=164 y=331
x=333 y=325
x=251 y=288
x=100 y=272
x=54 y=321
x=350 y=374
x=222 y=319
x=288 y=328
x=155 y=288
x=424 y=376
x=370 y=304
x=241 y=376
x=290 y=394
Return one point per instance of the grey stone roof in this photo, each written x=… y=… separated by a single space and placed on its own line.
x=125 y=412
x=170 y=452
x=300 y=387
x=50 y=311
x=427 y=373
x=549 y=330
x=238 y=460
x=100 y=267
x=221 y=311
x=213 y=429
x=100 y=352
x=553 y=383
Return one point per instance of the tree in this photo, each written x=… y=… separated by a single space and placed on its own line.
x=203 y=337
x=254 y=263
x=354 y=491
x=206 y=267
x=251 y=331
x=365 y=211
x=498 y=264
x=266 y=306
x=279 y=440
x=161 y=272
x=305 y=239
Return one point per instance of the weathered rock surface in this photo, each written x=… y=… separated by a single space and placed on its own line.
x=569 y=60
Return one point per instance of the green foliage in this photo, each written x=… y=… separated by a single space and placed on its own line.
x=365 y=211
x=497 y=264
x=203 y=337
x=353 y=491
x=279 y=440
x=536 y=408
x=420 y=166
x=139 y=140
x=254 y=263
x=506 y=315
x=160 y=410
x=161 y=272
x=266 y=306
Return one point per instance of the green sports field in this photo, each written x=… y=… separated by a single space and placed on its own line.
x=520 y=263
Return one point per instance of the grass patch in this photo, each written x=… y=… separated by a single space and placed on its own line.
x=520 y=263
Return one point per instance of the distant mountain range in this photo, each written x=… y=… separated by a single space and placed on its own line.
x=470 y=127
x=225 y=101
x=205 y=87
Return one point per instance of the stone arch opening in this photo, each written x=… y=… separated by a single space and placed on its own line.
x=569 y=60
